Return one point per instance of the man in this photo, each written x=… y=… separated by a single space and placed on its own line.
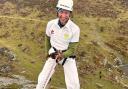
x=62 y=37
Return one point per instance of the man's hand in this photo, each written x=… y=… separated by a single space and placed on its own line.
x=58 y=55
x=53 y=55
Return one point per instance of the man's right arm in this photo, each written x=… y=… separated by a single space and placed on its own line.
x=47 y=45
x=47 y=39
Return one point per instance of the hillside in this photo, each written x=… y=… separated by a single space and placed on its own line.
x=102 y=54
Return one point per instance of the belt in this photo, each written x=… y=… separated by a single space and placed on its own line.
x=57 y=50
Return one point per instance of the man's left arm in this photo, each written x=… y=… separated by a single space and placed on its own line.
x=71 y=50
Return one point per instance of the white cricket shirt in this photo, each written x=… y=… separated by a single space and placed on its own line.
x=61 y=37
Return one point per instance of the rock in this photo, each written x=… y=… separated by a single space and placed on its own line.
x=108 y=65
x=5 y=68
x=117 y=62
x=124 y=69
x=3 y=50
x=105 y=61
x=99 y=85
x=18 y=80
x=23 y=72
x=9 y=54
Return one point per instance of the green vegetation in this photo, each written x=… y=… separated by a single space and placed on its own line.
x=12 y=86
x=104 y=36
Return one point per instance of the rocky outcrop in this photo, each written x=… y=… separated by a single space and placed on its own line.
x=6 y=58
x=7 y=53
x=124 y=69
x=21 y=82
x=5 y=68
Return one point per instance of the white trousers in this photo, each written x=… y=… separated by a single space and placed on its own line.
x=70 y=72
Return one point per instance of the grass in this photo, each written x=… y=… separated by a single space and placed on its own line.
x=12 y=86
x=25 y=37
x=23 y=60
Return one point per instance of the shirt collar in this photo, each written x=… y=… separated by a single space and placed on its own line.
x=67 y=24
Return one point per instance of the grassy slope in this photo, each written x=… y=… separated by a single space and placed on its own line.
x=97 y=29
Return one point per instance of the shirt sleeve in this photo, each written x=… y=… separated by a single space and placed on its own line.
x=48 y=33
x=76 y=35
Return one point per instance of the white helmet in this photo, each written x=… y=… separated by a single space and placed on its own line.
x=65 y=4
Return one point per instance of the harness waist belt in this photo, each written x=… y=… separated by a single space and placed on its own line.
x=57 y=50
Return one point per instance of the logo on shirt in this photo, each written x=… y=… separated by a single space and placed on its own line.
x=52 y=31
x=66 y=36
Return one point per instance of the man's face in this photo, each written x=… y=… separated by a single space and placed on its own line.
x=64 y=16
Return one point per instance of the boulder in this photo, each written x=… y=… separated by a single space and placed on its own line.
x=124 y=69
x=5 y=68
